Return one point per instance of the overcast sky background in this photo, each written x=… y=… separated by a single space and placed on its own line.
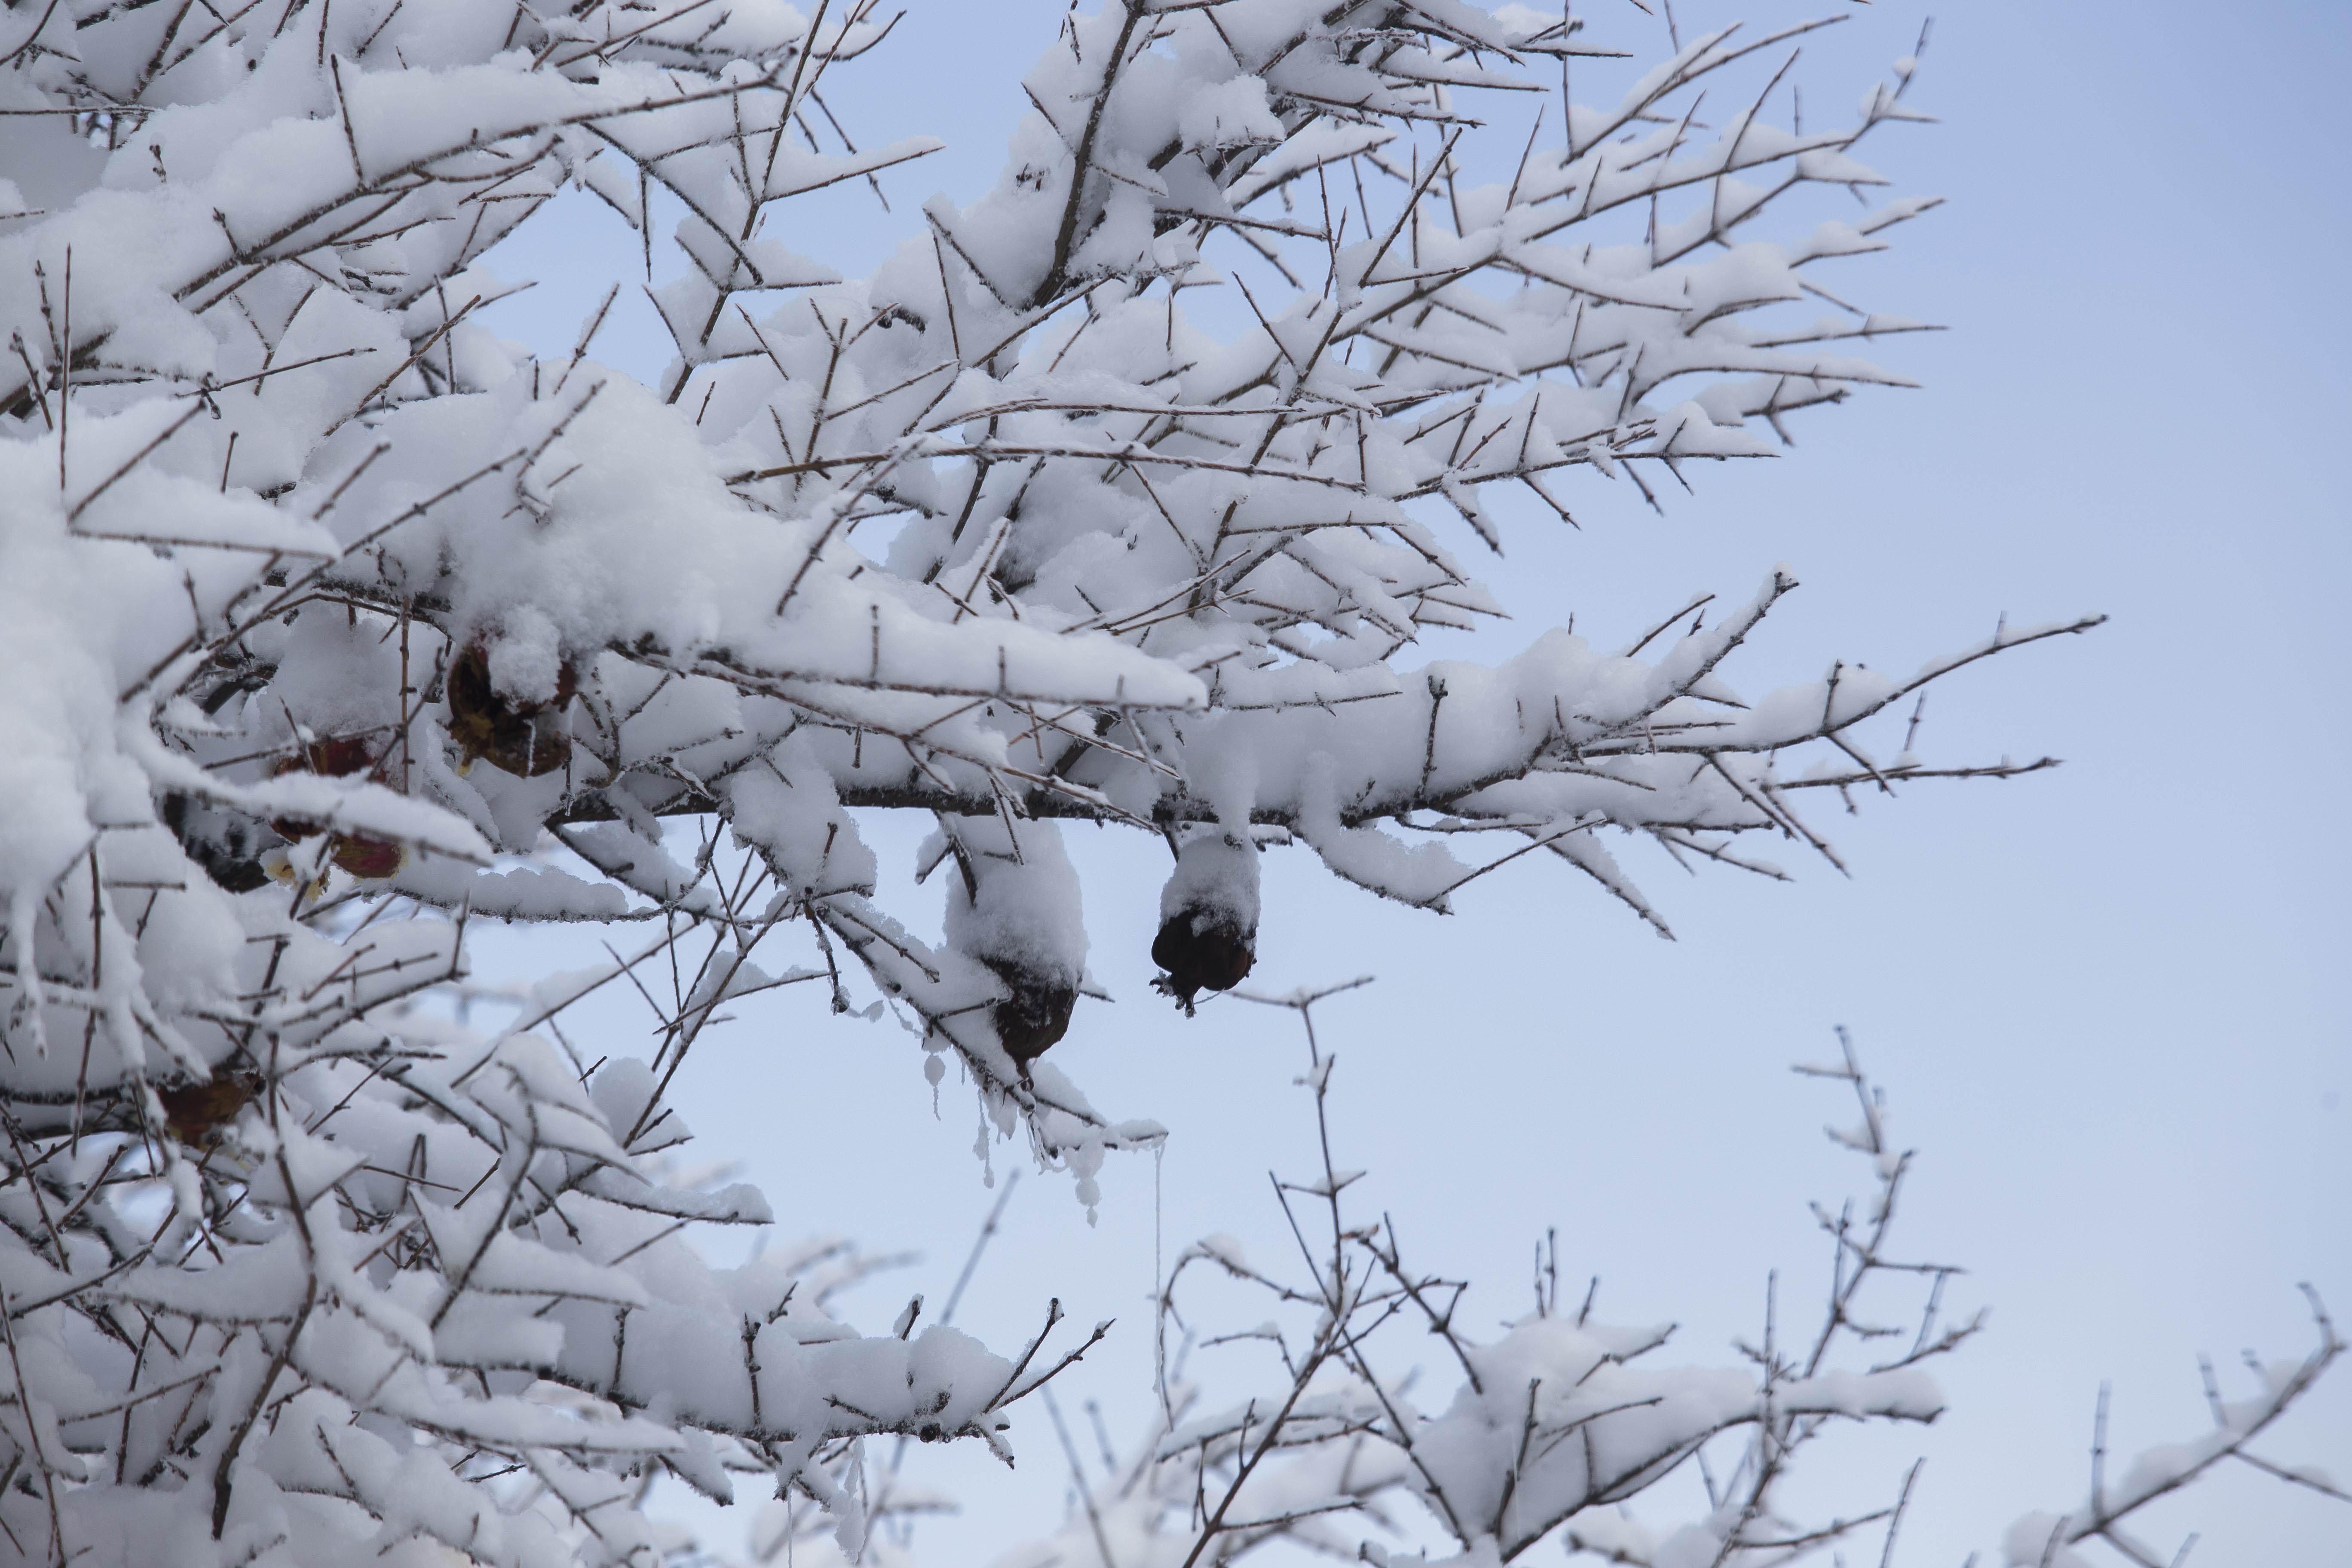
x=2108 y=1003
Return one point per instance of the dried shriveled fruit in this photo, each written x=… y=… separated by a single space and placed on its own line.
x=1202 y=950
x=199 y=1114
x=1013 y=905
x=526 y=739
x=340 y=756
x=1208 y=918
x=1034 y=1017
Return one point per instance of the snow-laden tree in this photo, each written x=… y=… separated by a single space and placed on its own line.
x=329 y=621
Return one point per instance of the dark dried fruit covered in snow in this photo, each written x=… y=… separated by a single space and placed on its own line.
x=1034 y=1017
x=1014 y=906
x=1202 y=951
x=197 y=1114
x=338 y=756
x=525 y=739
x=1208 y=918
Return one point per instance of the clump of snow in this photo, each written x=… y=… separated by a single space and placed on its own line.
x=1215 y=879
x=1016 y=899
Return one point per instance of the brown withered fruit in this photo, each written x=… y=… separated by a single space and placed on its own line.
x=1202 y=950
x=1036 y=1015
x=338 y=756
x=525 y=739
x=372 y=858
x=198 y=1114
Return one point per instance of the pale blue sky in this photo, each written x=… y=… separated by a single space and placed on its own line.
x=2109 y=1003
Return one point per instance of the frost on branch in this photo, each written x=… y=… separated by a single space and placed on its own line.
x=2105 y=1516
x=1559 y=1429
x=1546 y=1428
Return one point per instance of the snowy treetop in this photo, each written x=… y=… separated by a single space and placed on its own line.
x=1127 y=567
x=334 y=621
